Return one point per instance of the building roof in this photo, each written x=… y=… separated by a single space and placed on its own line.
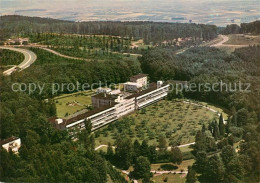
x=86 y=114
x=106 y=89
x=152 y=86
x=8 y=140
x=177 y=82
x=52 y=119
x=133 y=83
x=138 y=76
x=105 y=96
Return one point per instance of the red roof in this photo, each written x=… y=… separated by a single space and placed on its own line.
x=10 y=139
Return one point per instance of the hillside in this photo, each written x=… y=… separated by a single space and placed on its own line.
x=150 y=31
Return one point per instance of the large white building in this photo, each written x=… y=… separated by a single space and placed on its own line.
x=109 y=107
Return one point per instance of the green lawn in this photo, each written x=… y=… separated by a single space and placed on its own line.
x=176 y=120
x=183 y=166
x=171 y=178
x=70 y=103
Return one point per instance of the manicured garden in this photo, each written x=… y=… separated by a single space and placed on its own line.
x=68 y=104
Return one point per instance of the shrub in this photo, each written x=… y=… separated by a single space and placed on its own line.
x=168 y=167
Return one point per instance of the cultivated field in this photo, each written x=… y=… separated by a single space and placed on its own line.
x=241 y=39
x=176 y=120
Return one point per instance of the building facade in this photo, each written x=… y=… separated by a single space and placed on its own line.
x=103 y=99
x=140 y=79
x=151 y=97
x=131 y=86
x=108 y=107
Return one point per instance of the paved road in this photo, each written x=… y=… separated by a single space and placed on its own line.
x=29 y=58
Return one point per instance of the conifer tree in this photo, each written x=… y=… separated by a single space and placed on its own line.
x=221 y=126
x=216 y=134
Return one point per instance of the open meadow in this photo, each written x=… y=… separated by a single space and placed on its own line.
x=242 y=39
x=176 y=178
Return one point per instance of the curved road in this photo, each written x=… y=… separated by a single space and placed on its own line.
x=224 y=39
x=61 y=55
x=29 y=58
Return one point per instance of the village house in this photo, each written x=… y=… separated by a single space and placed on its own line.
x=11 y=144
x=17 y=41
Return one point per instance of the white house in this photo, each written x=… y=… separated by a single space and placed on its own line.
x=11 y=144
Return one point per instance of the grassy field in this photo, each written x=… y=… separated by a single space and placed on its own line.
x=241 y=39
x=183 y=166
x=68 y=104
x=176 y=120
x=171 y=178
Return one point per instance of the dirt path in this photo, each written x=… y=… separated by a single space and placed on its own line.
x=157 y=173
x=213 y=110
x=44 y=47
x=212 y=43
x=224 y=39
x=168 y=148
x=61 y=55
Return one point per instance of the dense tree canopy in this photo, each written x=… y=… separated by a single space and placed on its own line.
x=149 y=31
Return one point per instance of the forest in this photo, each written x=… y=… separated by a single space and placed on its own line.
x=210 y=65
x=8 y=57
x=149 y=31
x=244 y=28
x=50 y=155
x=25 y=116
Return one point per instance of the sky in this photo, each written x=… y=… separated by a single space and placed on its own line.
x=219 y=12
